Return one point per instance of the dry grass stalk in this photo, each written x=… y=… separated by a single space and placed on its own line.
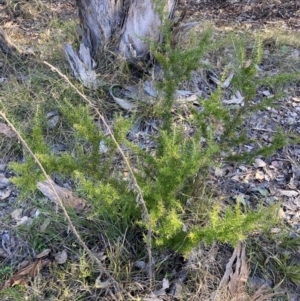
x=140 y=199
x=60 y=202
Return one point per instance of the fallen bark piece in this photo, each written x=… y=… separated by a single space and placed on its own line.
x=67 y=197
x=236 y=276
x=82 y=66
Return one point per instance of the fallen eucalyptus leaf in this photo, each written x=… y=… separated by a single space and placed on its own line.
x=148 y=87
x=259 y=175
x=25 y=220
x=237 y=99
x=23 y=264
x=66 y=196
x=263 y=192
x=23 y=276
x=44 y=253
x=227 y=81
x=6 y=130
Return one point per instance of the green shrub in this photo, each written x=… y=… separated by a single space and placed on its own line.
x=167 y=175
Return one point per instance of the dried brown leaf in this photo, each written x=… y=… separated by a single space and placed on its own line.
x=259 y=175
x=25 y=274
x=6 y=130
x=67 y=196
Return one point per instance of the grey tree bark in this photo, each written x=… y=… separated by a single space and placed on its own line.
x=121 y=25
x=122 y=22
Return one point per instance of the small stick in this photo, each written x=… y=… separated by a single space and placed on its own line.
x=264 y=130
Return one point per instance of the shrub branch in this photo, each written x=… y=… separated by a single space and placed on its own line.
x=140 y=199
x=73 y=228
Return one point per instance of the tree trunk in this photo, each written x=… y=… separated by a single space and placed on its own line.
x=123 y=26
x=124 y=23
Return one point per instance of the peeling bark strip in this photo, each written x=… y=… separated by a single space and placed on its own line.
x=124 y=22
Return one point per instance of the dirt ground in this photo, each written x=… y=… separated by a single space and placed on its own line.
x=250 y=13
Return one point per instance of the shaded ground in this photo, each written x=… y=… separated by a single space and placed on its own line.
x=250 y=13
